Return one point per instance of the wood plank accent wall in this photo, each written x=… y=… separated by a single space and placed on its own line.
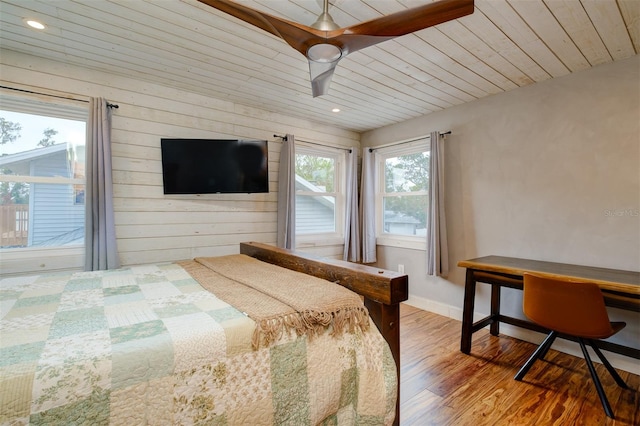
x=150 y=226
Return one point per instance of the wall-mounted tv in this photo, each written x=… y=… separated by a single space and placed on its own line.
x=210 y=166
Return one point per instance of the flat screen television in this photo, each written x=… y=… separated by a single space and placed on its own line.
x=212 y=166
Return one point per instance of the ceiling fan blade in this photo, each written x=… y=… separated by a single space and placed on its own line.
x=298 y=36
x=414 y=19
x=385 y=28
x=321 y=74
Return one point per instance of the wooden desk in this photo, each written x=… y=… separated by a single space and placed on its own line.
x=620 y=288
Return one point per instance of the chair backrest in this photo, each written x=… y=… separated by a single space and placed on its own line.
x=573 y=308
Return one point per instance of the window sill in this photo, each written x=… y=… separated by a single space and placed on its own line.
x=403 y=242
x=36 y=260
x=318 y=240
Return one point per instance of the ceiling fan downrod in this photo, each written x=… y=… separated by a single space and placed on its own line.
x=325 y=22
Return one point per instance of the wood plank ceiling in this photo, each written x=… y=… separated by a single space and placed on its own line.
x=503 y=45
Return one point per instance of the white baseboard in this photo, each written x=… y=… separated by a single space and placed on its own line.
x=618 y=361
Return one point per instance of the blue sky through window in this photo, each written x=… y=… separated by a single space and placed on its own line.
x=33 y=127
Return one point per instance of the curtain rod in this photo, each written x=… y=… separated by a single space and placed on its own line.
x=284 y=138
x=110 y=105
x=409 y=141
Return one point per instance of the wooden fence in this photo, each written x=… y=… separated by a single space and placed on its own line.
x=14 y=220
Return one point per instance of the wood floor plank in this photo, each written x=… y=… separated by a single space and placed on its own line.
x=442 y=386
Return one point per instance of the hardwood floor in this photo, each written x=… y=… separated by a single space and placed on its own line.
x=442 y=386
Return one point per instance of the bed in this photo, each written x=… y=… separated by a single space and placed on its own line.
x=261 y=337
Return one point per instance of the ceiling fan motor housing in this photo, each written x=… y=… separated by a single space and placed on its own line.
x=324 y=52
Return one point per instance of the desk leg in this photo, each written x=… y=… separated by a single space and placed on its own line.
x=467 y=312
x=494 y=328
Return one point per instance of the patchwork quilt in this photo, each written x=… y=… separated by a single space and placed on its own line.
x=149 y=345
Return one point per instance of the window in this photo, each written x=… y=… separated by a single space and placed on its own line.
x=42 y=182
x=402 y=200
x=319 y=194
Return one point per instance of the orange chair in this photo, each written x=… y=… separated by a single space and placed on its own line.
x=571 y=309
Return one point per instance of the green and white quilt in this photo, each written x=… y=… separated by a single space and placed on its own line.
x=149 y=345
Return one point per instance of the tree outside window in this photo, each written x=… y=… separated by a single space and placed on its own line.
x=320 y=171
x=11 y=192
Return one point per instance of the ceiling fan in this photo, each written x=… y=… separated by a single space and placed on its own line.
x=324 y=43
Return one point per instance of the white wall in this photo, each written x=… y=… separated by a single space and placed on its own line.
x=150 y=226
x=548 y=172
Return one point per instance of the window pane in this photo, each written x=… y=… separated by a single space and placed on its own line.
x=407 y=173
x=46 y=215
x=39 y=214
x=405 y=215
x=14 y=218
x=315 y=214
x=315 y=173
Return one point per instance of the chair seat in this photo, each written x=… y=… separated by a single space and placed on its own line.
x=572 y=309
x=617 y=326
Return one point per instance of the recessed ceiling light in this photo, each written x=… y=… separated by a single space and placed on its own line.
x=335 y=110
x=35 y=24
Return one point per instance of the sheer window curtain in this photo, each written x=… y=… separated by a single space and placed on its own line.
x=368 y=206
x=100 y=234
x=437 y=247
x=352 y=222
x=286 y=227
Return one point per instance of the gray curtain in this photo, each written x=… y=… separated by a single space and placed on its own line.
x=368 y=206
x=286 y=227
x=100 y=231
x=352 y=222
x=437 y=248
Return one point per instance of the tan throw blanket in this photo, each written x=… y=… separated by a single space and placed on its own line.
x=296 y=301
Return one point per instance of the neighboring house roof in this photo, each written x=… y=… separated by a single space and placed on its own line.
x=305 y=185
x=393 y=217
x=21 y=160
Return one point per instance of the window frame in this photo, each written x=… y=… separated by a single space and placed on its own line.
x=71 y=256
x=339 y=194
x=383 y=238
